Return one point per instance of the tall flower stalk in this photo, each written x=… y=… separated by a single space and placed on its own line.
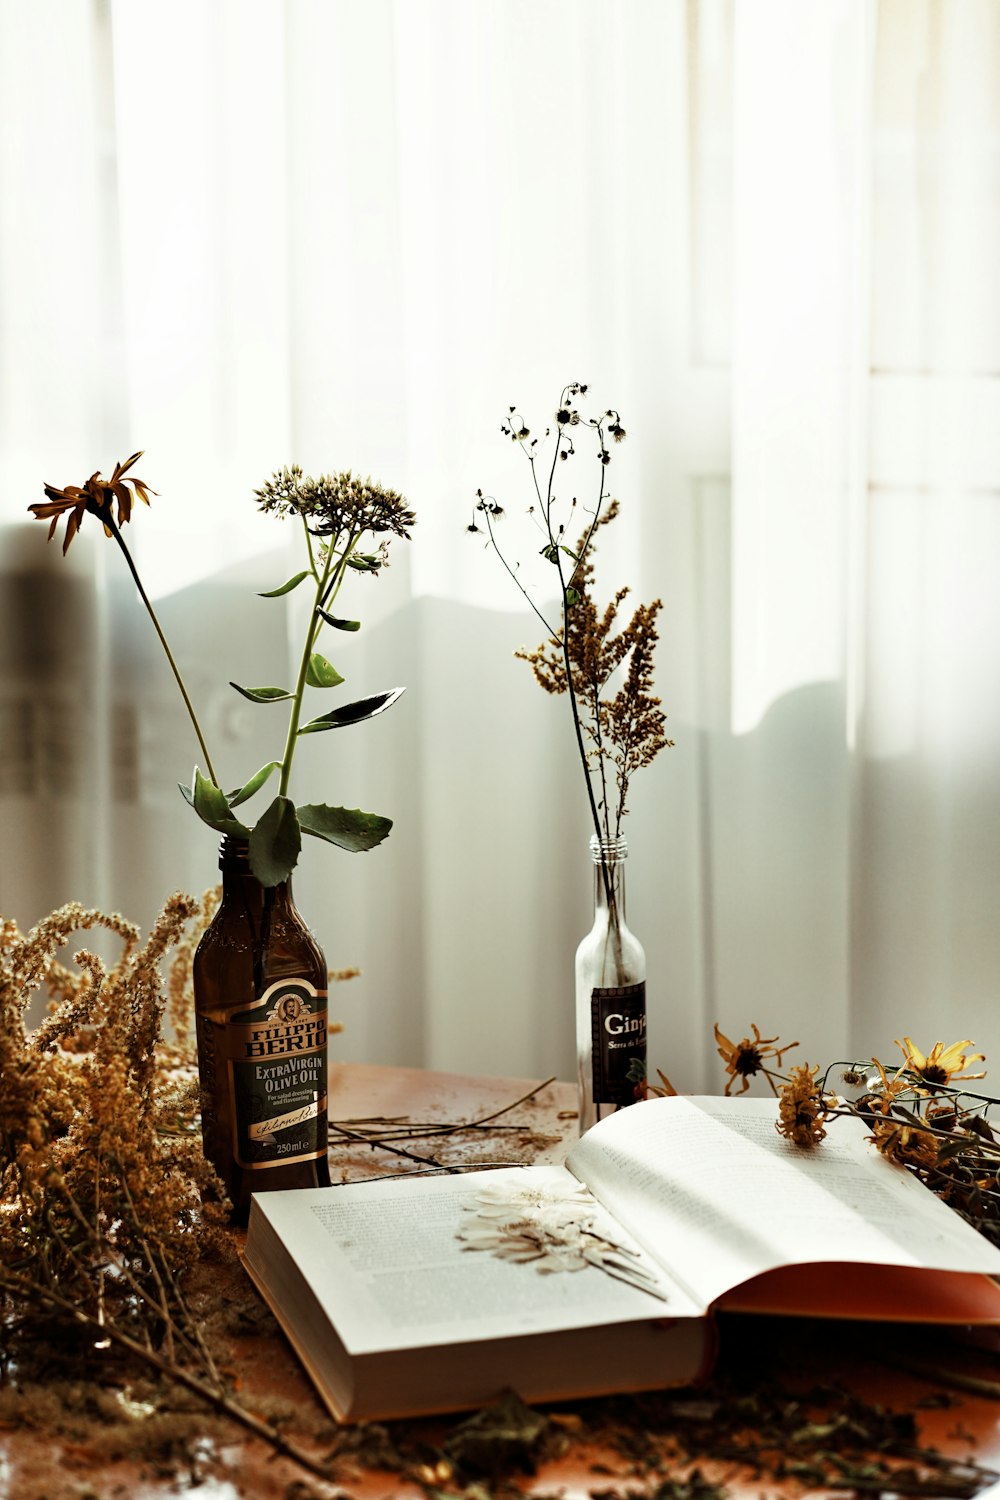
x=338 y=510
x=98 y=497
x=605 y=670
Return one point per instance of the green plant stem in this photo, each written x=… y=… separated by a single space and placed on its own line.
x=325 y=586
x=112 y=527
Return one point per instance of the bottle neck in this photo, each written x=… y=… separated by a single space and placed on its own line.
x=609 y=856
x=234 y=862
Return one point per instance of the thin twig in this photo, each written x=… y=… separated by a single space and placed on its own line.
x=444 y=1127
x=422 y=1132
x=215 y=1396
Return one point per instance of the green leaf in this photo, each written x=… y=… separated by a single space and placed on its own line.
x=275 y=843
x=353 y=713
x=320 y=673
x=572 y=597
x=347 y=827
x=340 y=624
x=186 y=793
x=263 y=694
x=255 y=783
x=209 y=802
x=550 y=552
x=286 y=588
x=365 y=562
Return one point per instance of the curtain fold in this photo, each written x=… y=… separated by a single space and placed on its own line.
x=352 y=235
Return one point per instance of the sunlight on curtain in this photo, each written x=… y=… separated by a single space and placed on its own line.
x=201 y=156
x=57 y=247
x=927 y=799
x=800 y=303
x=244 y=233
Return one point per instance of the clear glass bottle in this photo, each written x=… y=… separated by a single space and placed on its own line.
x=610 y=992
x=260 y=987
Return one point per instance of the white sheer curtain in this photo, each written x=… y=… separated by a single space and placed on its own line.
x=351 y=234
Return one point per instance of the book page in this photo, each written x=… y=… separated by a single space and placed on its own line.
x=712 y=1190
x=387 y=1264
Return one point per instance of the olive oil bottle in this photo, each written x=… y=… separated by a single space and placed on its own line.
x=260 y=986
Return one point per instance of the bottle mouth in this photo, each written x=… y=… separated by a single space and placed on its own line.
x=234 y=852
x=610 y=850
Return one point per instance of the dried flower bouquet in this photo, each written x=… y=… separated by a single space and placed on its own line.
x=605 y=668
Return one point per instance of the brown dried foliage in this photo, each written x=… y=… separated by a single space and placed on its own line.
x=624 y=731
x=105 y=1198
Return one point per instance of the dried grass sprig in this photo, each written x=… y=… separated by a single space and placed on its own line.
x=618 y=724
x=102 y=1216
x=106 y=1202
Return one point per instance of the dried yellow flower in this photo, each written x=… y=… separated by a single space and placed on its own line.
x=803 y=1108
x=746 y=1058
x=96 y=495
x=941 y=1064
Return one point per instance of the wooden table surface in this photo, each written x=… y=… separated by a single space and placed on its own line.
x=63 y=1452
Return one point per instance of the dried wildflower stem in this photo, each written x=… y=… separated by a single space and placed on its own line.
x=88 y=1235
x=109 y=522
x=407 y=1129
x=564 y=585
x=382 y=1133
x=170 y=1302
x=583 y=654
x=216 y=1397
x=385 y=1145
x=934 y=1371
x=547 y=501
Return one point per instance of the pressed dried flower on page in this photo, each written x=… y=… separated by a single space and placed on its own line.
x=552 y=1232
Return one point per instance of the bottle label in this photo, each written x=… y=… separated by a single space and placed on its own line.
x=275 y=1052
x=618 y=1023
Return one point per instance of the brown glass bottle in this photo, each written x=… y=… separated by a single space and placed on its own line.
x=261 y=1012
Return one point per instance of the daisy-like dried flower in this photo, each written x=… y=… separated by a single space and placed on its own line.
x=803 y=1108
x=941 y=1064
x=96 y=495
x=884 y=1091
x=898 y=1139
x=904 y=1143
x=746 y=1058
x=643 y=1088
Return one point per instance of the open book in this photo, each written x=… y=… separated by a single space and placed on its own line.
x=436 y=1293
